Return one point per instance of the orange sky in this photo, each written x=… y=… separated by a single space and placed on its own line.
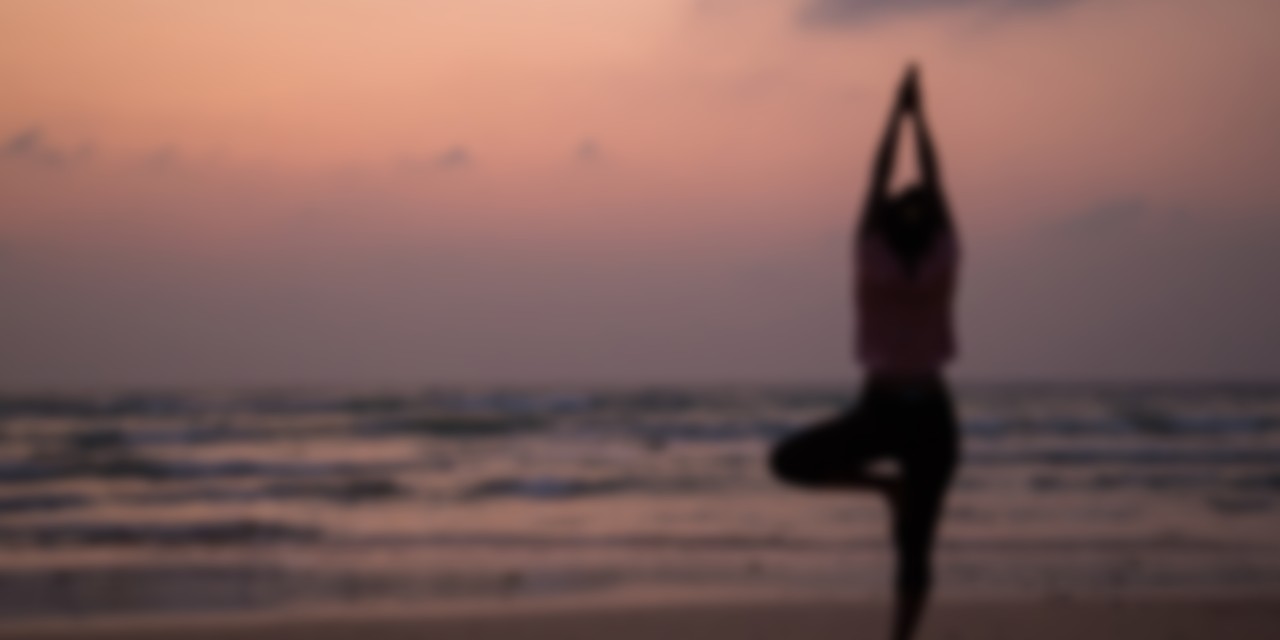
x=382 y=190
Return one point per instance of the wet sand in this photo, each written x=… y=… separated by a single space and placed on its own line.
x=1137 y=620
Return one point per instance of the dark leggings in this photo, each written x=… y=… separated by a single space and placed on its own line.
x=911 y=423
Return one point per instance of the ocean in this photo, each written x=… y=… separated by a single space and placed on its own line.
x=280 y=500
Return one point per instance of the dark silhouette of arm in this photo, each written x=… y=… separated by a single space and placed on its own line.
x=926 y=156
x=883 y=163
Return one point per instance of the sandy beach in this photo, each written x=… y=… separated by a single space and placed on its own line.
x=1134 y=620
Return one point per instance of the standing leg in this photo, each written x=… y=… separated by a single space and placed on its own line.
x=929 y=461
x=915 y=521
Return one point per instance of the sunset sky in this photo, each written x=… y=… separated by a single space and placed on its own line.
x=250 y=192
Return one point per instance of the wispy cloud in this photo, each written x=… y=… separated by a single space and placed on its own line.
x=24 y=142
x=455 y=157
x=850 y=13
x=1104 y=217
x=162 y=159
x=587 y=151
x=32 y=145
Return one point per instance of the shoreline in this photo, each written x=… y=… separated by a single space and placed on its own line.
x=637 y=616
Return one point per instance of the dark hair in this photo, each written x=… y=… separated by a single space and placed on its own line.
x=910 y=222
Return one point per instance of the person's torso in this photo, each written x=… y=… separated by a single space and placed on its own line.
x=904 y=316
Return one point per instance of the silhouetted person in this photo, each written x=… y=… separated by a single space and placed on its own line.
x=907 y=255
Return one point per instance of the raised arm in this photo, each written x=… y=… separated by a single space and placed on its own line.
x=930 y=175
x=883 y=164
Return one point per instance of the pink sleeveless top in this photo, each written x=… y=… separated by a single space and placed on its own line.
x=904 y=320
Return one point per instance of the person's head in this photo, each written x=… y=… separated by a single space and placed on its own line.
x=909 y=221
x=913 y=206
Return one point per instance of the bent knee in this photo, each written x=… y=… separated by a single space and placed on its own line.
x=795 y=465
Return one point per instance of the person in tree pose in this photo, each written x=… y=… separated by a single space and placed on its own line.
x=907 y=257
